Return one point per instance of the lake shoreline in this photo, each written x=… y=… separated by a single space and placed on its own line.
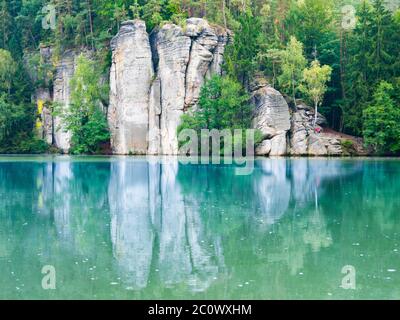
x=23 y=157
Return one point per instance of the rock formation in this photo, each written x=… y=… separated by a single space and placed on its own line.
x=271 y=117
x=49 y=127
x=42 y=95
x=61 y=97
x=131 y=76
x=154 y=81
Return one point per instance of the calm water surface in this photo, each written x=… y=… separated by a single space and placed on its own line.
x=137 y=228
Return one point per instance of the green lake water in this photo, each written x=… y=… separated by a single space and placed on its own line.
x=152 y=228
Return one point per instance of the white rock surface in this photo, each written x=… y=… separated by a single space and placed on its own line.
x=279 y=145
x=271 y=113
x=131 y=76
x=264 y=148
x=61 y=96
x=173 y=50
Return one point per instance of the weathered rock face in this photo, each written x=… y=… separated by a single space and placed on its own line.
x=158 y=80
x=204 y=41
x=154 y=118
x=49 y=127
x=61 y=96
x=173 y=48
x=42 y=95
x=131 y=76
x=44 y=127
x=224 y=37
x=271 y=116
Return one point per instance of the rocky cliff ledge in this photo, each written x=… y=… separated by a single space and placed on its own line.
x=155 y=78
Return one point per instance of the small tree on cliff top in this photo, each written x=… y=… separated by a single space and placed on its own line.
x=314 y=84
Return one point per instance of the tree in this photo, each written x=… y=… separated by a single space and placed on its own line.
x=135 y=8
x=314 y=84
x=223 y=104
x=5 y=23
x=273 y=58
x=311 y=21
x=241 y=55
x=380 y=34
x=152 y=13
x=293 y=63
x=84 y=117
x=382 y=121
x=8 y=69
x=16 y=123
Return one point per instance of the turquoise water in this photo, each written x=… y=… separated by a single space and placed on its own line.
x=151 y=228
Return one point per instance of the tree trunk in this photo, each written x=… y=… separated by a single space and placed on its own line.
x=90 y=23
x=294 y=91
x=294 y=96
x=223 y=13
x=274 y=72
x=316 y=113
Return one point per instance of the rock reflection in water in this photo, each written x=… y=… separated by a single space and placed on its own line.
x=173 y=226
x=146 y=202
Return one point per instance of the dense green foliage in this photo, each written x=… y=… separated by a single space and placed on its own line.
x=292 y=65
x=17 y=114
x=382 y=121
x=223 y=105
x=361 y=46
x=84 y=117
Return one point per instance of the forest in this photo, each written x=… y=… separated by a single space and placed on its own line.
x=342 y=56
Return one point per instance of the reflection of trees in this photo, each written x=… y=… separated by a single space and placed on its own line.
x=277 y=187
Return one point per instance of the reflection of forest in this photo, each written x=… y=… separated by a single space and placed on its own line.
x=187 y=225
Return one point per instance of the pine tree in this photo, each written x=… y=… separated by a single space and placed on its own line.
x=152 y=13
x=382 y=121
x=5 y=23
